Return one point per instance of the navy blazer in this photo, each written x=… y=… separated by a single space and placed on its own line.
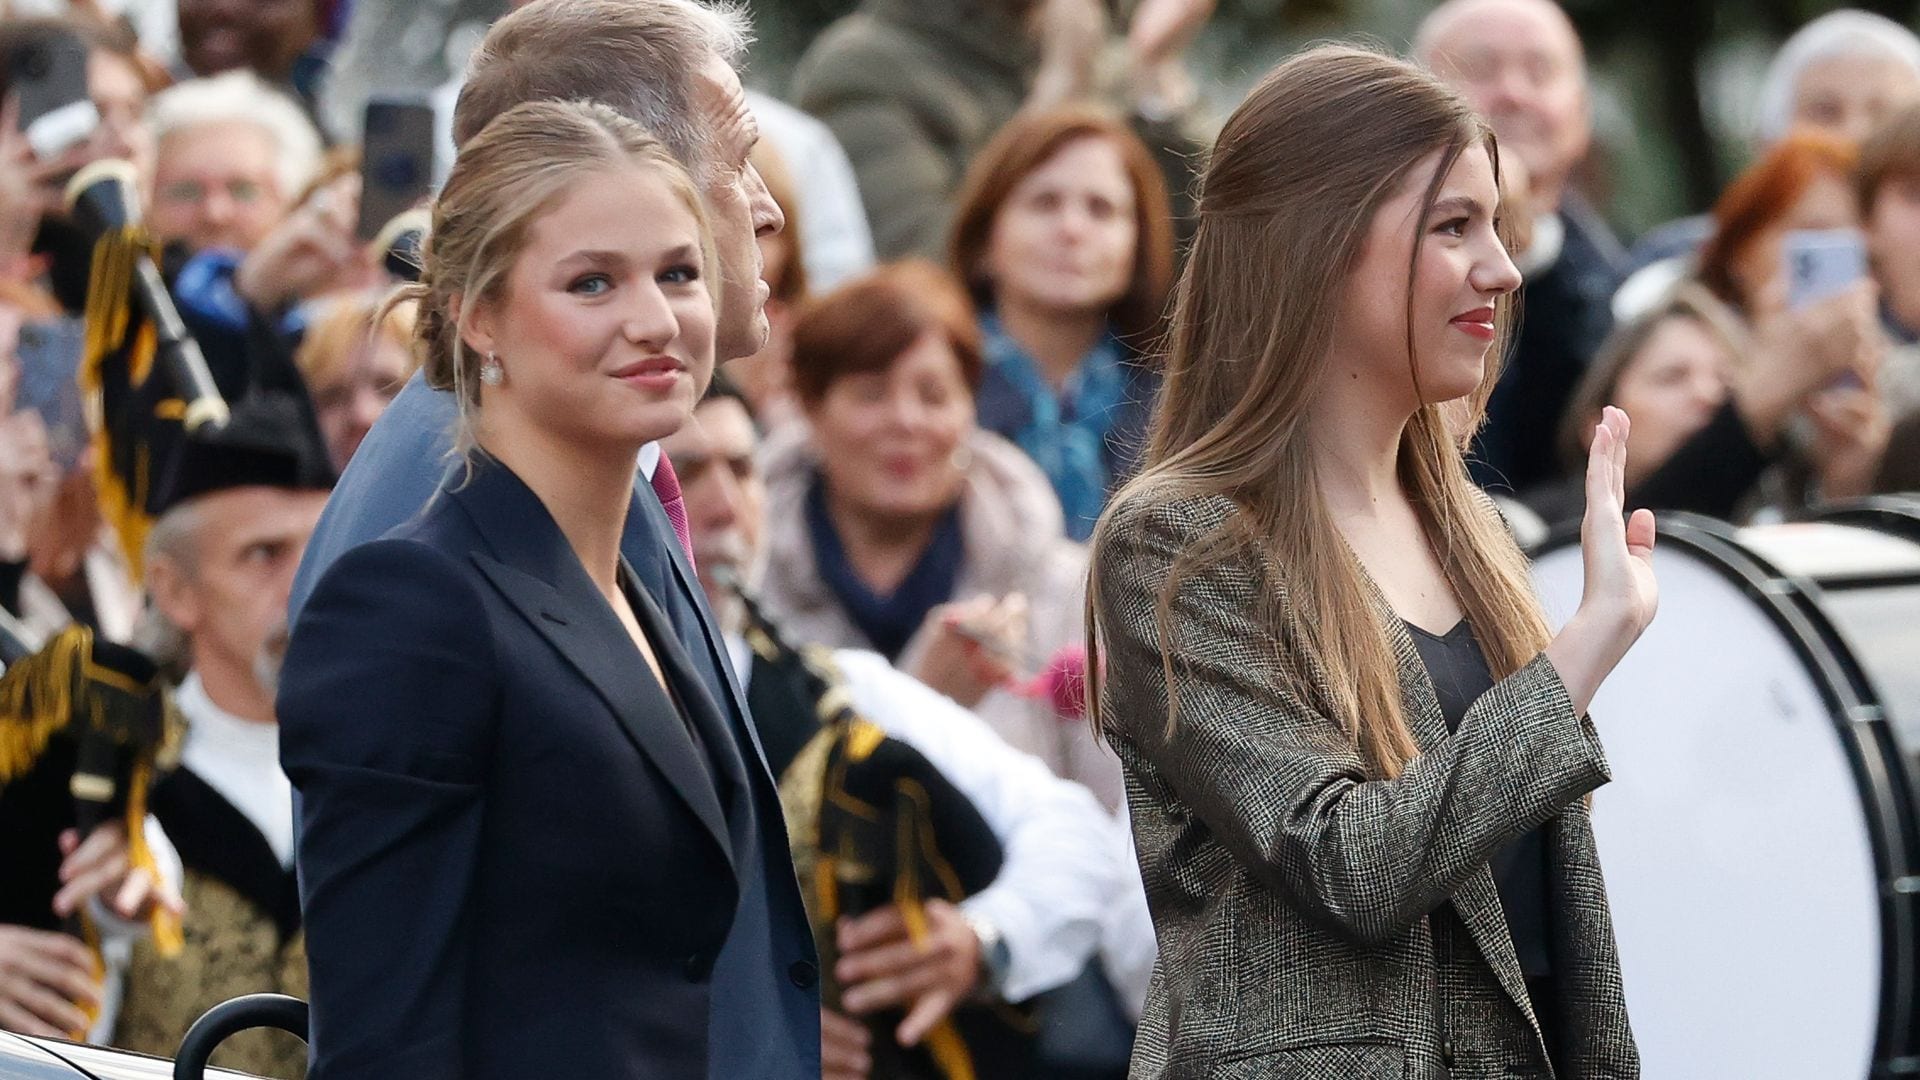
x=516 y=858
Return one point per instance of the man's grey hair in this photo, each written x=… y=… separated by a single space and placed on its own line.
x=174 y=538
x=1838 y=34
x=639 y=57
x=243 y=97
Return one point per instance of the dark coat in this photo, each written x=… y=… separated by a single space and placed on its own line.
x=1565 y=313
x=517 y=857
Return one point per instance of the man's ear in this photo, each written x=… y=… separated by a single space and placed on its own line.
x=477 y=335
x=174 y=594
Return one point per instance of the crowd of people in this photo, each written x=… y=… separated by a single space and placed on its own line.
x=969 y=217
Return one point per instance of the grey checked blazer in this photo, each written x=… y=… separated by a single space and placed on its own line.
x=1313 y=924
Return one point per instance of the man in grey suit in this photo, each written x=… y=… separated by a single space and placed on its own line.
x=668 y=64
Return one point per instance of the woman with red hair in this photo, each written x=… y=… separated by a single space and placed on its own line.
x=1804 y=182
x=1811 y=393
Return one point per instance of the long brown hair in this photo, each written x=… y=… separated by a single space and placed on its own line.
x=1288 y=197
x=1029 y=141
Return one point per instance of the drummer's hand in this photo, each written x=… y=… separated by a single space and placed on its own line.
x=1620 y=594
x=45 y=979
x=882 y=968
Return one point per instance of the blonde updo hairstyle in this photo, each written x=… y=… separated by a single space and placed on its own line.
x=505 y=179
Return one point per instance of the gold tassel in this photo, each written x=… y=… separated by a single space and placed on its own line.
x=109 y=316
x=944 y=1044
x=90 y=937
x=167 y=937
x=36 y=699
x=949 y=1051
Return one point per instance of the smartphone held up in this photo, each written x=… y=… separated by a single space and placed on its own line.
x=48 y=78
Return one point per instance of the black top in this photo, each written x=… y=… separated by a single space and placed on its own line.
x=890 y=621
x=1520 y=870
x=1564 y=314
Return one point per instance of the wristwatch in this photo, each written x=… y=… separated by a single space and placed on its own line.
x=995 y=957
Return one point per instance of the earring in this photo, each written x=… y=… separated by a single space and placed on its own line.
x=961 y=459
x=491 y=372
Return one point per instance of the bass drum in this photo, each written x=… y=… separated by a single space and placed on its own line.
x=1759 y=836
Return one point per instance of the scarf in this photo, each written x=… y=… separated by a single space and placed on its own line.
x=1066 y=431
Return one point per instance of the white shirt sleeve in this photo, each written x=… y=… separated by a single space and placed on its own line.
x=1066 y=861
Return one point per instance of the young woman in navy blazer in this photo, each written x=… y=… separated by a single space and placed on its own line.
x=520 y=801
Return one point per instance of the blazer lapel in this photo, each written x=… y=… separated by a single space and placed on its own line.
x=536 y=572
x=1477 y=900
x=584 y=630
x=695 y=696
x=660 y=564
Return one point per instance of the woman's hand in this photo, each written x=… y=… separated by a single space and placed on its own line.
x=30 y=189
x=1620 y=594
x=974 y=646
x=1157 y=42
x=1070 y=34
x=1851 y=426
x=1797 y=352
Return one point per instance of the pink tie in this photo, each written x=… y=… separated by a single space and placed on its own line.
x=667 y=486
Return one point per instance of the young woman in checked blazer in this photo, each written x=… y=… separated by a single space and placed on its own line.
x=1356 y=756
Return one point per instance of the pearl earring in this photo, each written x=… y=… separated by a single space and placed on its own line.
x=491 y=372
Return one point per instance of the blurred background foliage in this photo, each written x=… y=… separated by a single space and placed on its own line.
x=1674 y=80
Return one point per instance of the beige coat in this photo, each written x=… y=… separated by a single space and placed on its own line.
x=1015 y=540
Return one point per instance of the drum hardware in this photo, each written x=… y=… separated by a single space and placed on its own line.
x=1761 y=837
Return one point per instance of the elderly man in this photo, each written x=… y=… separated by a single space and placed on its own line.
x=233 y=155
x=668 y=64
x=1520 y=63
x=234 y=516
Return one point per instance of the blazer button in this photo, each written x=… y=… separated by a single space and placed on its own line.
x=696 y=968
x=803 y=974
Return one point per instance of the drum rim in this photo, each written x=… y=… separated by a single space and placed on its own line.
x=1896 y=514
x=1880 y=772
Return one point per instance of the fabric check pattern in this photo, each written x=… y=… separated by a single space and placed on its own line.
x=1314 y=922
